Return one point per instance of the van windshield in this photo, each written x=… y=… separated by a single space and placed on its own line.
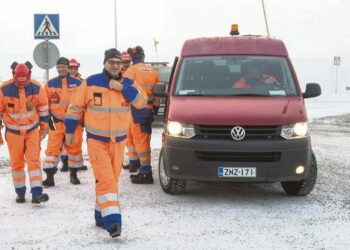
x=235 y=76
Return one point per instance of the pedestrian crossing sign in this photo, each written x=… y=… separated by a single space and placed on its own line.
x=46 y=26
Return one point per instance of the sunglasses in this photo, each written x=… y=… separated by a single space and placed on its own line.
x=61 y=67
x=112 y=62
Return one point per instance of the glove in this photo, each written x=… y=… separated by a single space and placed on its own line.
x=155 y=110
x=70 y=139
x=52 y=125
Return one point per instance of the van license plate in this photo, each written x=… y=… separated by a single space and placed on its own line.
x=236 y=172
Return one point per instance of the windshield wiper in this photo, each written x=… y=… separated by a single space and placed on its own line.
x=247 y=94
x=193 y=95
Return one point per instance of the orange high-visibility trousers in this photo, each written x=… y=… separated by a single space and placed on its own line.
x=106 y=160
x=54 y=148
x=25 y=147
x=132 y=153
x=139 y=146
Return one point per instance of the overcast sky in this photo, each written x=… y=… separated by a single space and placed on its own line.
x=311 y=29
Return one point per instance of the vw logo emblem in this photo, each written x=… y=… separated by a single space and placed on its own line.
x=238 y=133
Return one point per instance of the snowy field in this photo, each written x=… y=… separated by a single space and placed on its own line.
x=208 y=215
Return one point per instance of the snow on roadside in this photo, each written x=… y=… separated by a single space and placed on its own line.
x=207 y=216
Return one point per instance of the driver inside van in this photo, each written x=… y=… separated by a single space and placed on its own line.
x=253 y=76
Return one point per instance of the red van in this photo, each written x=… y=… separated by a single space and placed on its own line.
x=235 y=112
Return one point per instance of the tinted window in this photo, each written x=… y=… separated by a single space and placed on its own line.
x=235 y=75
x=164 y=74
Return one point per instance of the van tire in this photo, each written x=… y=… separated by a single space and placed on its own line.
x=169 y=185
x=303 y=187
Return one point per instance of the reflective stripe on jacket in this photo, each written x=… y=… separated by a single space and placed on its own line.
x=22 y=109
x=59 y=91
x=106 y=111
x=145 y=77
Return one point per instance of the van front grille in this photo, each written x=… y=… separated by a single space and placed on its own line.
x=251 y=132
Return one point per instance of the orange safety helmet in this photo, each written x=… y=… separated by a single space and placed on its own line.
x=126 y=57
x=21 y=74
x=73 y=63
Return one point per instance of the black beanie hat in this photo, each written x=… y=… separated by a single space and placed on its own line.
x=112 y=53
x=63 y=60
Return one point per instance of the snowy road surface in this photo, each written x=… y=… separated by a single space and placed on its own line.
x=207 y=216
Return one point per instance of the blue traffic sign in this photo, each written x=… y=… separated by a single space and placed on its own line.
x=46 y=26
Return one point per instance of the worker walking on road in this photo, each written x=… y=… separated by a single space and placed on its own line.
x=73 y=68
x=126 y=61
x=139 y=136
x=106 y=98
x=24 y=108
x=59 y=91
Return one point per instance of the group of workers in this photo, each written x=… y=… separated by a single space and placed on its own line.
x=115 y=107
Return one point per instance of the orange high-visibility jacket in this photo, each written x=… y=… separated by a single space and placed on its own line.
x=145 y=77
x=107 y=111
x=78 y=75
x=243 y=84
x=23 y=109
x=59 y=91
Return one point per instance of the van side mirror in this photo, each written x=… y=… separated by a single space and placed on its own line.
x=312 y=90
x=159 y=90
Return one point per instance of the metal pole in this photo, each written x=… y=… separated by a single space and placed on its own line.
x=336 y=78
x=267 y=26
x=115 y=22
x=157 y=55
x=47 y=59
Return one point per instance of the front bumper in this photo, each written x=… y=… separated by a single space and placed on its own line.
x=199 y=159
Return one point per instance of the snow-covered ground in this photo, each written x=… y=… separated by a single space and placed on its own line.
x=208 y=215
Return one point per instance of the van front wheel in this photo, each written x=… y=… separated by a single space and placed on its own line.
x=169 y=185
x=303 y=187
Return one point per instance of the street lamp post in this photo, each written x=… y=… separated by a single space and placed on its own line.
x=267 y=26
x=336 y=62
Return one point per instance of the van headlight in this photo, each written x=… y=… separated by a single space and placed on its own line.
x=295 y=131
x=177 y=129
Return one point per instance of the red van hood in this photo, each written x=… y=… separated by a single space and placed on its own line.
x=237 y=110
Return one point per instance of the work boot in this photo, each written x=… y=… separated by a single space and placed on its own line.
x=20 y=198
x=115 y=230
x=50 y=181
x=65 y=165
x=134 y=166
x=73 y=176
x=126 y=166
x=145 y=178
x=37 y=199
x=133 y=169
x=99 y=224
x=84 y=167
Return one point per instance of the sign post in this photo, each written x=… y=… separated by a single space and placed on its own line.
x=46 y=55
x=336 y=62
x=46 y=26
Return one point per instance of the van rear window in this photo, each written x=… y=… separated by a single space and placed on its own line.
x=235 y=75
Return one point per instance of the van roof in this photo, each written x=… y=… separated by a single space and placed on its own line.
x=234 y=45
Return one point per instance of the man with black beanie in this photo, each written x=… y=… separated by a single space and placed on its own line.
x=105 y=100
x=59 y=91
